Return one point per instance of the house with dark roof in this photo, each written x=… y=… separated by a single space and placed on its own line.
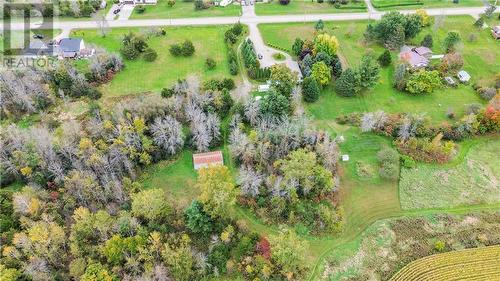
x=71 y=47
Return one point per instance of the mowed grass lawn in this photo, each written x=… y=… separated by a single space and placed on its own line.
x=411 y=4
x=470 y=180
x=482 y=61
x=306 y=7
x=140 y=76
x=184 y=10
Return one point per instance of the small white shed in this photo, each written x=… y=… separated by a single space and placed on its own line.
x=463 y=76
x=264 y=88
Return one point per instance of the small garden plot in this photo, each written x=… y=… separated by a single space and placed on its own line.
x=141 y=76
x=308 y=7
x=474 y=180
x=182 y=9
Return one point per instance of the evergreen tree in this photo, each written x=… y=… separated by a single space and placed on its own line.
x=385 y=58
x=427 y=41
x=319 y=25
x=368 y=72
x=297 y=46
x=310 y=89
x=347 y=83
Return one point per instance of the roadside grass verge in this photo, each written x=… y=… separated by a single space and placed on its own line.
x=183 y=9
x=306 y=7
x=473 y=180
x=140 y=76
x=416 y=4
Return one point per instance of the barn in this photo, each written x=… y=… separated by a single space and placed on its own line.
x=206 y=159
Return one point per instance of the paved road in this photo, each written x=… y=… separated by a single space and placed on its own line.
x=473 y=11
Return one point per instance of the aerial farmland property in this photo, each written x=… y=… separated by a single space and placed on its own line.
x=250 y=140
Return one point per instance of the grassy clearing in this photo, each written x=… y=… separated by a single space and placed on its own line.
x=306 y=7
x=140 y=76
x=184 y=10
x=470 y=264
x=473 y=180
x=413 y=4
x=480 y=58
x=176 y=176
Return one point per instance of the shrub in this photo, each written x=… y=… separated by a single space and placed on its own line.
x=439 y=246
x=129 y=52
x=451 y=41
x=427 y=41
x=187 y=48
x=284 y=2
x=389 y=163
x=175 y=50
x=423 y=82
x=487 y=93
x=473 y=108
x=310 y=89
x=150 y=55
x=140 y=9
x=167 y=92
x=171 y=3
x=210 y=63
x=233 y=68
x=385 y=58
x=408 y=162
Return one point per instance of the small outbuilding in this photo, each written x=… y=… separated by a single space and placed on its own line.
x=450 y=81
x=495 y=32
x=201 y=160
x=264 y=88
x=463 y=76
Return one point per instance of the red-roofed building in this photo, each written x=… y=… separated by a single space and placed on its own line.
x=206 y=159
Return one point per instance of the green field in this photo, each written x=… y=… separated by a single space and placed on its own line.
x=480 y=60
x=183 y=9
x=140 y=76
x=306 y=7
x=469 y=180
x=413 y=4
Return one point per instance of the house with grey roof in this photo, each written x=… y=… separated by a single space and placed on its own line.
x=71 y=47
x=415 y=57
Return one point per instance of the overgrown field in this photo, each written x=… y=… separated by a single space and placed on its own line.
x=480 y=60
x=467 y=181
x=307 y=7
x=470 y=264
x=140 y=76
x=388 y=245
